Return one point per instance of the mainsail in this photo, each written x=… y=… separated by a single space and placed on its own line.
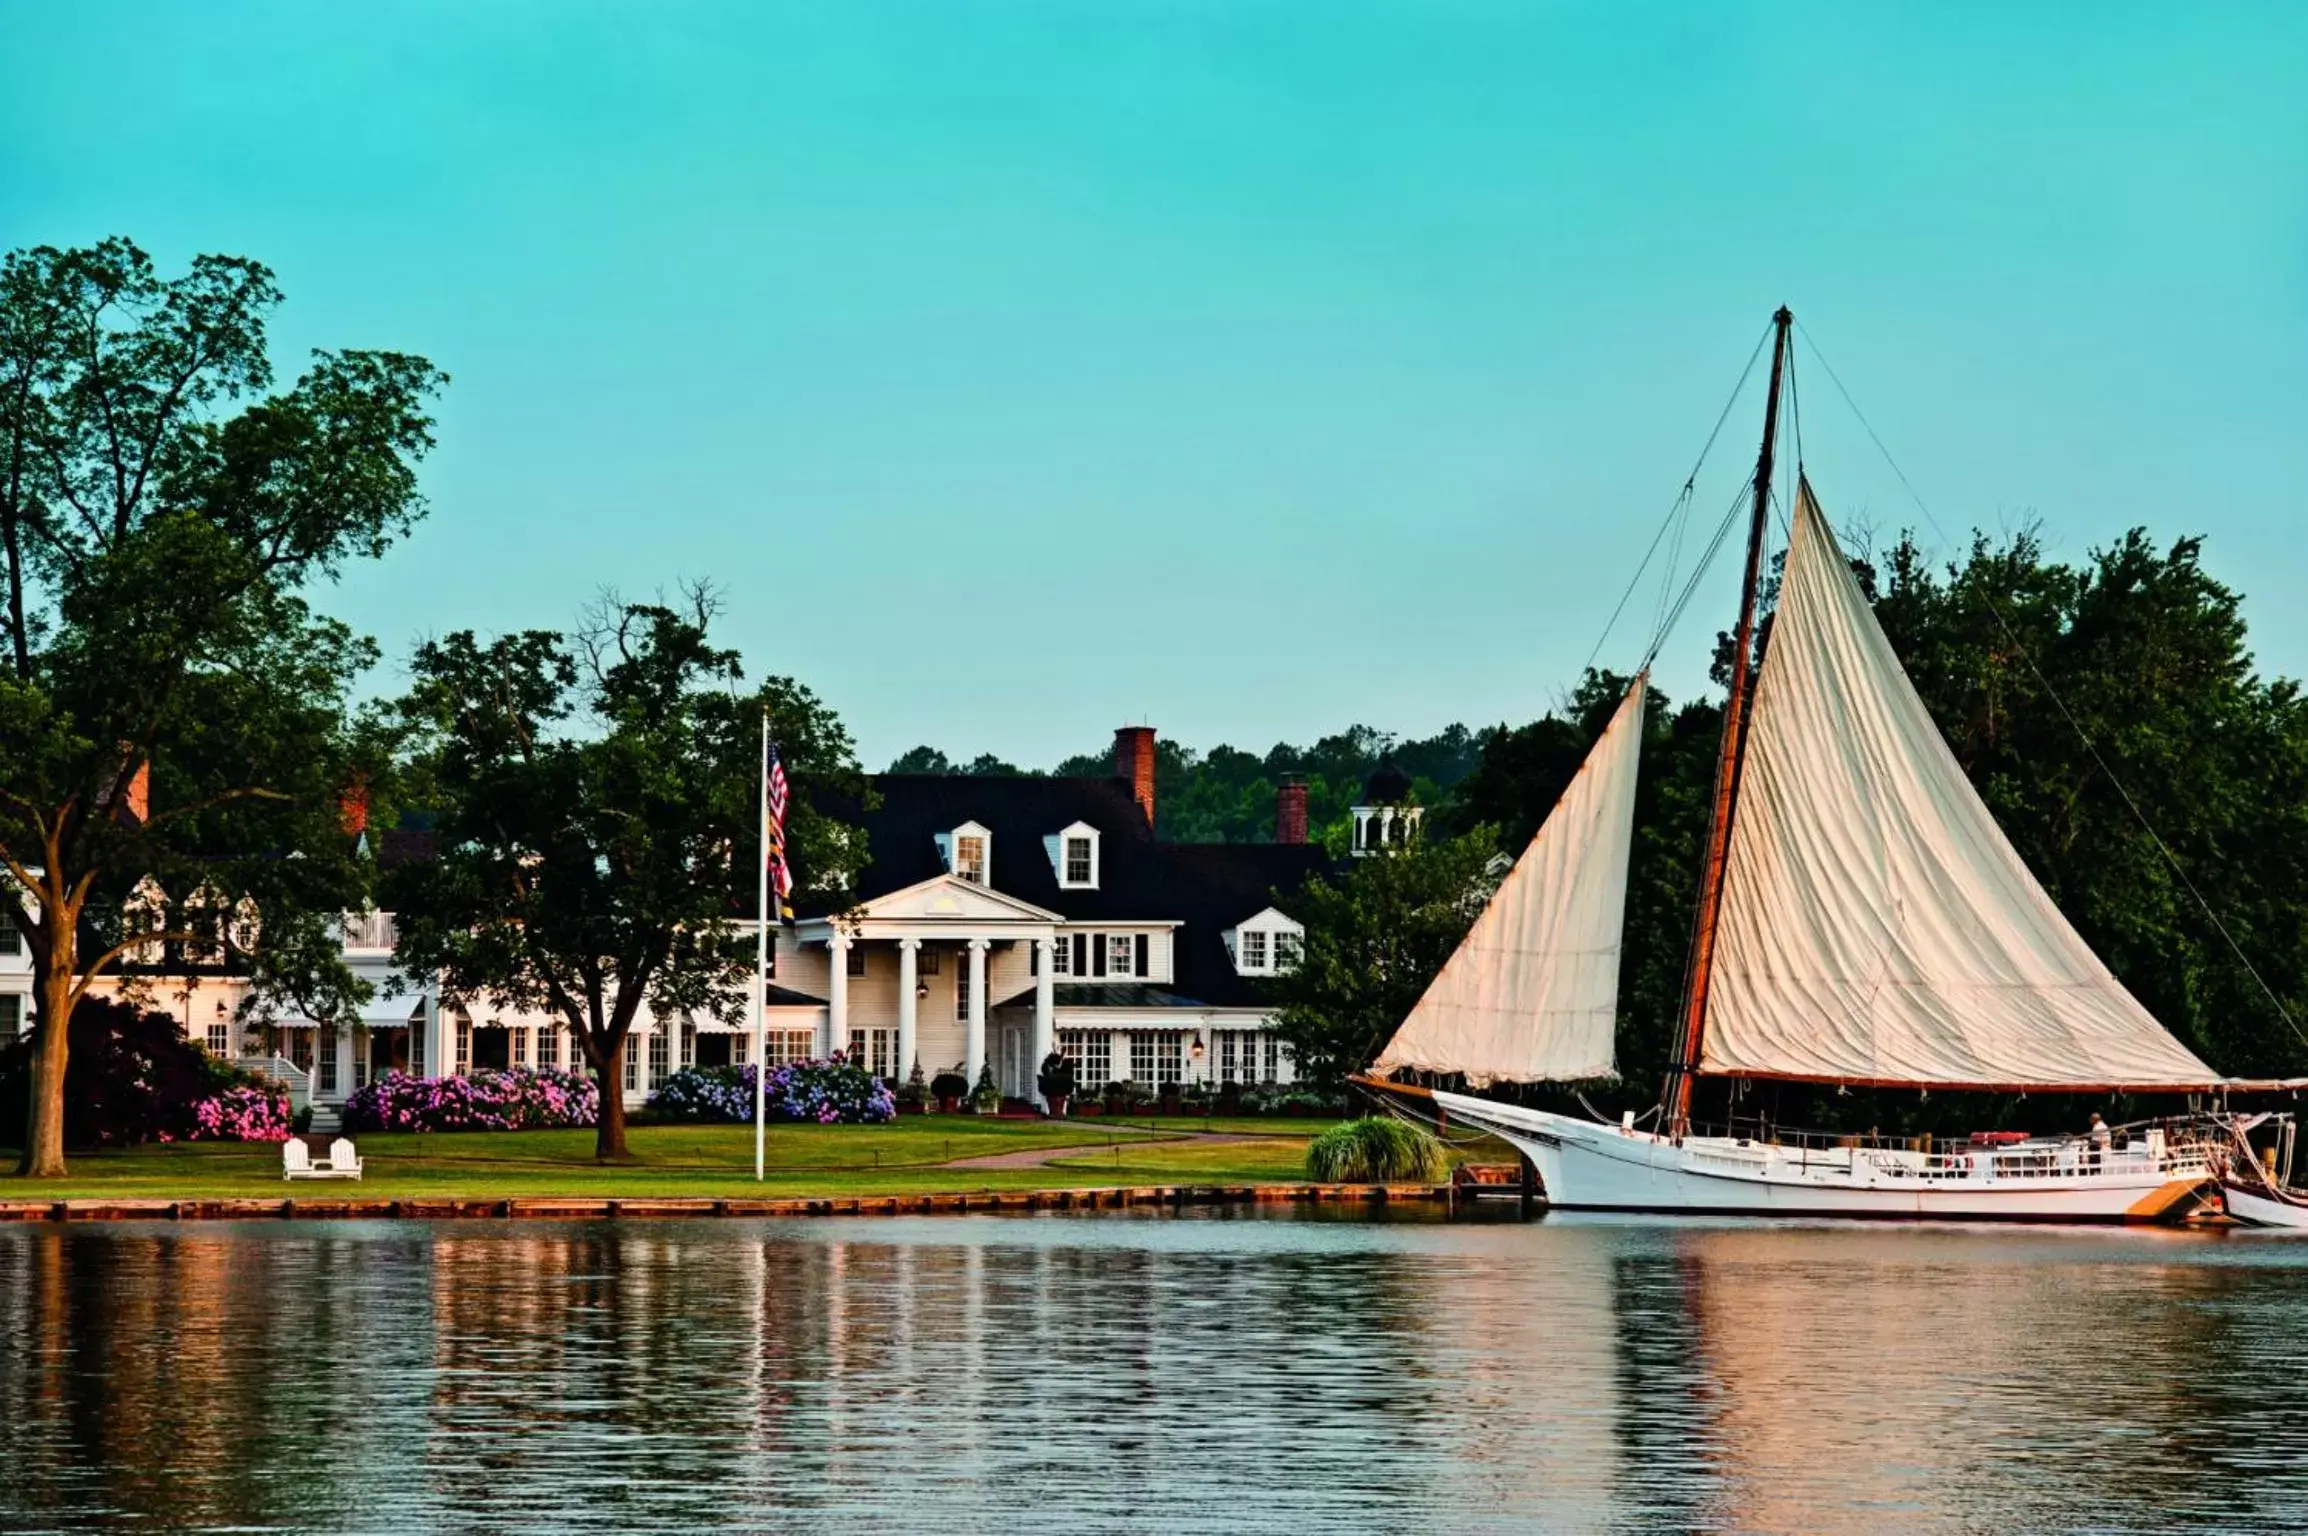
x=1532 y=993
x=1877 y=927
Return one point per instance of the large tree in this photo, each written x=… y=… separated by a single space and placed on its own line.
x=1375 y=936
x=596 y=796
x=173 y=713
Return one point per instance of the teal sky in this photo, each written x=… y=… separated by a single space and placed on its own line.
x=1243 y=368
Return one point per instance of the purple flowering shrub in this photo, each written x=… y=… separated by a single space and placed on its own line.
x=829 y=1092
x=241 y=1114
x=521 y=1099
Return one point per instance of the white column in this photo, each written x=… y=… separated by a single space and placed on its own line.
x=1045 y=1017
x=836 y=995
x=908 y=1005
x=974 y=1034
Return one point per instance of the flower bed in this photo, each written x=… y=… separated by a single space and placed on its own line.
x=829 y=1092
x=521 y=1099
x=241 y=1114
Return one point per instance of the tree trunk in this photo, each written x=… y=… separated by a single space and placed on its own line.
x=44 y=1129
x=609 y=1071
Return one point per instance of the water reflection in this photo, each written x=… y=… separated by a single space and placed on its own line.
x=1225 y=1372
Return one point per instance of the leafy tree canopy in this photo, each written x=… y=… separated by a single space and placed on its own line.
x=596 y=798
x=172 y=710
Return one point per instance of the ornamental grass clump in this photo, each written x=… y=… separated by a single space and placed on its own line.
x=830 y=1092
x=519 y=1099
x=1375 y=1150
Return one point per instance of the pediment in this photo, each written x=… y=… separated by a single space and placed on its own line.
x=950 y=899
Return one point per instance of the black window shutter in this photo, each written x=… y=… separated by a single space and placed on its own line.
x=1081 y=954
x=1141 y=956
x=1098 y=956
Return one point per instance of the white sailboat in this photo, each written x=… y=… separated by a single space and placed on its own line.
x=1862 y=921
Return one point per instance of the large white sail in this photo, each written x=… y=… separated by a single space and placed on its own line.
x=1532 y=994
x=1877 y=926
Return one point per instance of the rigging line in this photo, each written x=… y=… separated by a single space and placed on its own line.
x=1698 y=571
x=2090 y=746
x=1682 y=497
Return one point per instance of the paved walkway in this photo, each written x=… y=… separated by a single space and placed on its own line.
x=1041 y=1157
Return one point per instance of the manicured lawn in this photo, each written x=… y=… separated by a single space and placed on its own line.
x=907 y=1156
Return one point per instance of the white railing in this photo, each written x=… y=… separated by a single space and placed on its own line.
x=282 y=1073
x=370 y=930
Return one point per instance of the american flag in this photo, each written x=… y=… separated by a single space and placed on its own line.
x=773 y=837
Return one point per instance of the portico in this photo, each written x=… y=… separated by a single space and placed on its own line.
x=909 y=976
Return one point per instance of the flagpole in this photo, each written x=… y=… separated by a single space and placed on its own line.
x=761 y=977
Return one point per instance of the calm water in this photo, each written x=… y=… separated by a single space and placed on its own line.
x=1223 y=1372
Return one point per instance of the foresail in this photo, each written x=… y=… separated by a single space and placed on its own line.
x=1877 y=926
x=1532 y=993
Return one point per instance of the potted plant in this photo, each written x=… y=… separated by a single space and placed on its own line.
x=1118 y=1096
x=947 y=1088
x=1230 y=1097
x=1056 y=1080
x=1198 y=1099
x=986 y=1098
x=913 y=1097
x=1137 y=1097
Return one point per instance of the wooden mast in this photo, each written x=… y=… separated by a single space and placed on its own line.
x=1690 y=1031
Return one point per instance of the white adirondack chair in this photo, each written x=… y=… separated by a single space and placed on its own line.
x=297 y=1162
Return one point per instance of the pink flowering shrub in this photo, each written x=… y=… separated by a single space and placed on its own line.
x=241 y=1114
x=521 y=1099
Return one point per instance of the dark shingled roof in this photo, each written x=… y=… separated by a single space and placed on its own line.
x=1388 y=786
x=1205 y=887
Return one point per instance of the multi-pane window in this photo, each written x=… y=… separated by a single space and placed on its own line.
x=927 y=962
x=873 y=1049
x=741 y=1047
x=1252 y=943
x=961 y=992
x=1092 y=1052
x=549 y=1046
x=219 y=1035
x=11 y=1014
x=1286 y=945
x=657 y=1048
x=328 y=1061
x=517 y=1045
x=1078 y=861
x=1061 y=957
x=1248 y=1056
x=689 y=1045
x=781 y=1045
x=1121 y=954
x=11 y=937
x=1158 y=1056
x=970 y=857
x=632 y=1063
x=857 y=958
x=418 y=1059
x=464 y=1045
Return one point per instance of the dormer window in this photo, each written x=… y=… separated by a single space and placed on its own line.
x=1074 y=857
x=971 y=853
x=1266 y=945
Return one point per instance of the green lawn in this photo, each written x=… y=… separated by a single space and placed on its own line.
x=906 y=1156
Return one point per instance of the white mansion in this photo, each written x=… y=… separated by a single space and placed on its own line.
x=999 y=916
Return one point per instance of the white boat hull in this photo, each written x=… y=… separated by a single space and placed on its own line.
x=1584 y=1165
x=2260 y=1211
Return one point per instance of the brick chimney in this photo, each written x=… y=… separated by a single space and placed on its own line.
x=1134 y=760
x=1290 y=811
